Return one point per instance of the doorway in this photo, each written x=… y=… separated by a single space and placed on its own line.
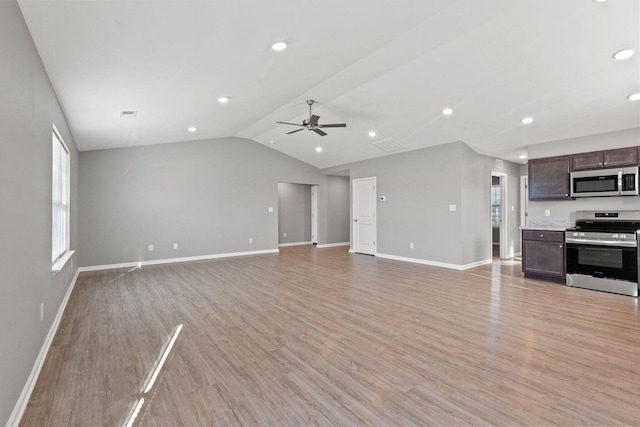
x=295 y=225
x=314 y=214
x=524 y=200
x=498 y=196
x=364 y=216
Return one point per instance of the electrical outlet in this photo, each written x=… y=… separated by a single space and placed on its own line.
x=452 y=208
x=270 y=209
x=175 y=246
x=411 y=245
x=42 y=312
x=284 y=234
x=150 y=248
x=547 y=212
x=250 y=240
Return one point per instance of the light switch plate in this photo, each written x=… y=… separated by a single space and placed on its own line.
x=452 y=208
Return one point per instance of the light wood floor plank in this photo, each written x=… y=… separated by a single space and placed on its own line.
x=320 y=337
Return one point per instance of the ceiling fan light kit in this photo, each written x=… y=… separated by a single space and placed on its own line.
x=312 y=123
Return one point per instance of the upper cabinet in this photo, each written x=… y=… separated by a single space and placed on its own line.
x=605 y=159
x=549 y=178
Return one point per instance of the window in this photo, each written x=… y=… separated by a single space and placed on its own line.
x=60 y=198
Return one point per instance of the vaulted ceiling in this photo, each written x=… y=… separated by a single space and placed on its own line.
x=386 y=66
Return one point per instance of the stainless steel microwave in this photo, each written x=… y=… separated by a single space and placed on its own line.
x=605 y=182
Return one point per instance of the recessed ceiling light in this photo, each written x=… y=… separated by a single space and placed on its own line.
x=599 y=1
x=272 y=142
x=318 y=149
x=192 y=129
x=527 y=120
x=634 y=97
x=623 y=54
x=524 y=156
x=372 y=133
x=223 y=99
x=447 y=111
x=279 y=46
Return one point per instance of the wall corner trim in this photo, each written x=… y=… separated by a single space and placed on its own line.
x=331 y=245
x=173 y=260
x=21 y=404
x=435 y=263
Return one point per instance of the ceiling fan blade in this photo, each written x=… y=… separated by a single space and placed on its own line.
x=313 y=120
x=319 y=132
x=333 y=125
x=292 y=124
x=294 y=131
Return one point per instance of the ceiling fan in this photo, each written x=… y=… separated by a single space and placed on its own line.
x=312 y=123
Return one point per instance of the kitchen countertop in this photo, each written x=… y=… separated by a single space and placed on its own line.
x=545 y=228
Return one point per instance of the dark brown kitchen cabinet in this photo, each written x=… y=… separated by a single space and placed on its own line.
x=605 y=159
x=549 y=178
x=543 y=254
x=586 y=161
x=620 y=157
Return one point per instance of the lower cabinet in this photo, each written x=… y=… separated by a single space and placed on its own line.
x=543 y=254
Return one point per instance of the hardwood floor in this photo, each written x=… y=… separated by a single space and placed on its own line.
x=320 y=337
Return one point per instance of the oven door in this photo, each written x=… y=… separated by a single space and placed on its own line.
x=608 y=262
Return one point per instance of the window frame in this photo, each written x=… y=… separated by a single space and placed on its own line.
x=60 y=254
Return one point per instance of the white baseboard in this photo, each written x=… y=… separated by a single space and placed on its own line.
x=21 y=405
x=332 y=245
x=172 y=260
x=351 y=251
x=435 y=263
x=294 y=244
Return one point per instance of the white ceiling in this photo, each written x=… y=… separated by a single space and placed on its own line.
x=388 y=66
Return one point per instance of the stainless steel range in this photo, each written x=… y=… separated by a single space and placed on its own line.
x=602 y=251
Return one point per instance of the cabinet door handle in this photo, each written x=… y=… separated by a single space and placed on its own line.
x=542 y=235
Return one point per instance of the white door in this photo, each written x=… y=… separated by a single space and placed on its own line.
x=364 y=215
x=314 y=214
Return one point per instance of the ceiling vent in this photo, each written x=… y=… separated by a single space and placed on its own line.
x=389 y=145
x=128 y=114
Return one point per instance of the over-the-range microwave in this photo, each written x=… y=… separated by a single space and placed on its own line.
x=605 y=182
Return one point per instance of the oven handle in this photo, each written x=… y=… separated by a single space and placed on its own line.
x=627 y=244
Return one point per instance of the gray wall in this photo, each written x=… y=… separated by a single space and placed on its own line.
x=419 y=187
x=476 y=191
x=208 y=196
x=28 y=107
x=564 y=210
x=338 y=204
x=294 y=213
